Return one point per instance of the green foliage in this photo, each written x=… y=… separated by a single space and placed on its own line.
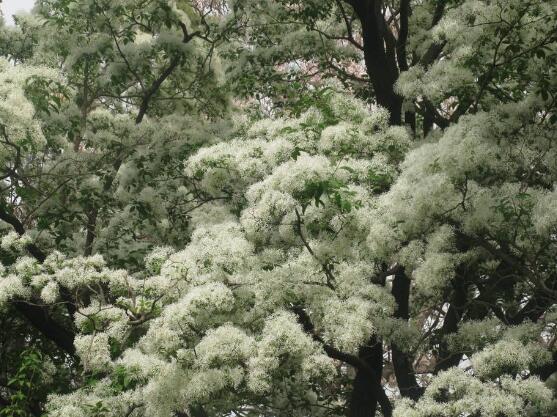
x=23 y=384
x=333 y=189
x=319 y=99
x=46 y=94
x=122 y=379
x=198 y=217
x=97 y=409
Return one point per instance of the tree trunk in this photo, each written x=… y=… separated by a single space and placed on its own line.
x=446 y=358
x=363 y=402
x=403 y=367
x=381 y=65
x=382 y=69
x=410 y=121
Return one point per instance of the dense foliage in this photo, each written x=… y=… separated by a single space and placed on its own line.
x=279 y=208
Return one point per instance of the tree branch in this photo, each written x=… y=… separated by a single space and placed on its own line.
x=348 y=24
x=39 y=316
x=174 y=62
x=40 y=319
x=347 y=358
x=382 y=71
x=404 y=371
x=20 y=230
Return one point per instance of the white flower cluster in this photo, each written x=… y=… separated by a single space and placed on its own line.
x=467 y=178
x=93 y=350
x=507 y=357
x=11 y=287
x=225 y=345
x=14 y=242
x=455 y=392
x=156 y=258
x=17 y=113
x=469 y=35
x=232 y=166
x=215 y=252
x=309 y=211
x=202 y=307
x=284 y=347
x=348 y=323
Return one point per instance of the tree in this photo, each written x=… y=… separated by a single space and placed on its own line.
x=174 y=252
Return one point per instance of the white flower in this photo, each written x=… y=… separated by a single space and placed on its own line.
x=93 y=350
x=50 y=292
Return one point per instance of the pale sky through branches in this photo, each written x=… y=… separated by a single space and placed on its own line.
x=10 y=7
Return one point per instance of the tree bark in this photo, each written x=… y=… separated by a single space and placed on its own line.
x=403 y=366
x=363 y=402
x=384 y=59
x=381 y=66
x=39 y=318
x=367 y=389
x=410 y=121
x=446 y=358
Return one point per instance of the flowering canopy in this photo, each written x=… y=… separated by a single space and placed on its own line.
x=170 y=248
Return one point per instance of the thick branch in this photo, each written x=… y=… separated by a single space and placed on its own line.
x=438 y=13
x=355 y=361
x=448 y=359
x=406 y=379
x=39 y=316
x=40 y=319
x=152 y=90
x=435 y=48
x=155 y=87
x=20 y=230
x=382 y=73
x=348 y=24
